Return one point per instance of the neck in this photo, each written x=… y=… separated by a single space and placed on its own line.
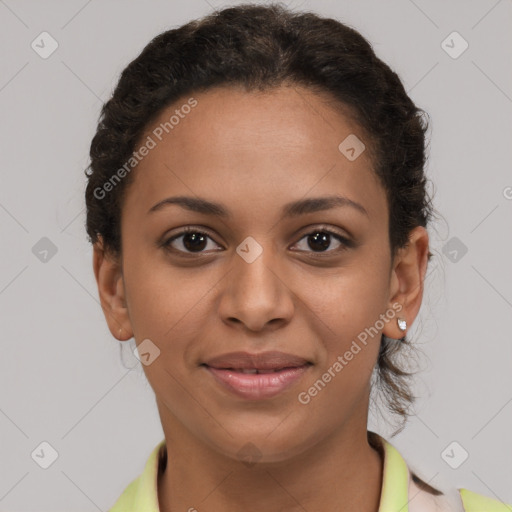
x=343 y=473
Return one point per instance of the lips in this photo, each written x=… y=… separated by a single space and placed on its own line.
x=263 y=362
x=257 y=376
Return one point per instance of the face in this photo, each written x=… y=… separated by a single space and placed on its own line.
x=264 y=269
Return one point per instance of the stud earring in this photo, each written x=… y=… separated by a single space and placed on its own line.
x=402 y=325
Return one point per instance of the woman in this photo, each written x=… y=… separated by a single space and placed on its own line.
x=258 y=210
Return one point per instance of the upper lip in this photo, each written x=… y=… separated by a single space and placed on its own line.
x=273 y=360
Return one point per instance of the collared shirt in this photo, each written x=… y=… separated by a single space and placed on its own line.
x=400 y=492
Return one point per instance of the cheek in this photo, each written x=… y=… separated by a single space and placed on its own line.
x=346 y=311
x=349 y=300
x=163 y=300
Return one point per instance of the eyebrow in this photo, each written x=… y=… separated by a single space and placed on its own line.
x=295 y=208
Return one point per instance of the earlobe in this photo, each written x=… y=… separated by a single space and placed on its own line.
x=109 y=279
x=407 y=279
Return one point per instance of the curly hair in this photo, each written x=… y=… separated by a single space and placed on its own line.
x=260 y=48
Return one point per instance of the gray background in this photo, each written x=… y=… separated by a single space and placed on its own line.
x=61 y=376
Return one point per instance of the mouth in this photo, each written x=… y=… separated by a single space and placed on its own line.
x=253 y=384
x=271 y=360
x=257 y=371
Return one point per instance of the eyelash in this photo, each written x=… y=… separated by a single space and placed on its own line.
x=345 y=242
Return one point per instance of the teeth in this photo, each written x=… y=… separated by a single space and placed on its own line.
x=255 y=370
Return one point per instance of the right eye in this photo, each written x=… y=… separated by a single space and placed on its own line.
x=189 y=241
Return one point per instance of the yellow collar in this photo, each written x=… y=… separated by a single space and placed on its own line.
x=399 y=492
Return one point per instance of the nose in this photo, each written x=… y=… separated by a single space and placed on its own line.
x=256 y=294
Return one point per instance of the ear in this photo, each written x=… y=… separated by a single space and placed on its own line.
x=109 y=278
x=407 y=280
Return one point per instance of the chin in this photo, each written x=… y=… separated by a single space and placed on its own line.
x=262 y=448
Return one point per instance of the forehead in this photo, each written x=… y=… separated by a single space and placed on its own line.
x=255 y=147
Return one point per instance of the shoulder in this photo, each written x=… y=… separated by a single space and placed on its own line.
x=474 y=502
x=142 y=493
x=125 y=501
x=423 y=498
x=404 y=488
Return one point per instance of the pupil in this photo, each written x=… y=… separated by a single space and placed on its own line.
x=321 y=239
x=193 y=241
x=196 y=241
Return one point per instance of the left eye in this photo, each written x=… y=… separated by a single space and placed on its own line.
x=320 y=240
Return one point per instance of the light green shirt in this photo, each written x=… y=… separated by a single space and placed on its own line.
x=399 y=492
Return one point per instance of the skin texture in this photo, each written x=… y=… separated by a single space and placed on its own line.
x=254 y=152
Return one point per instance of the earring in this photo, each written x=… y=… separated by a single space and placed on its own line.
x=402 y=325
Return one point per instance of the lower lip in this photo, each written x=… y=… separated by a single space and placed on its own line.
x=258 y=386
